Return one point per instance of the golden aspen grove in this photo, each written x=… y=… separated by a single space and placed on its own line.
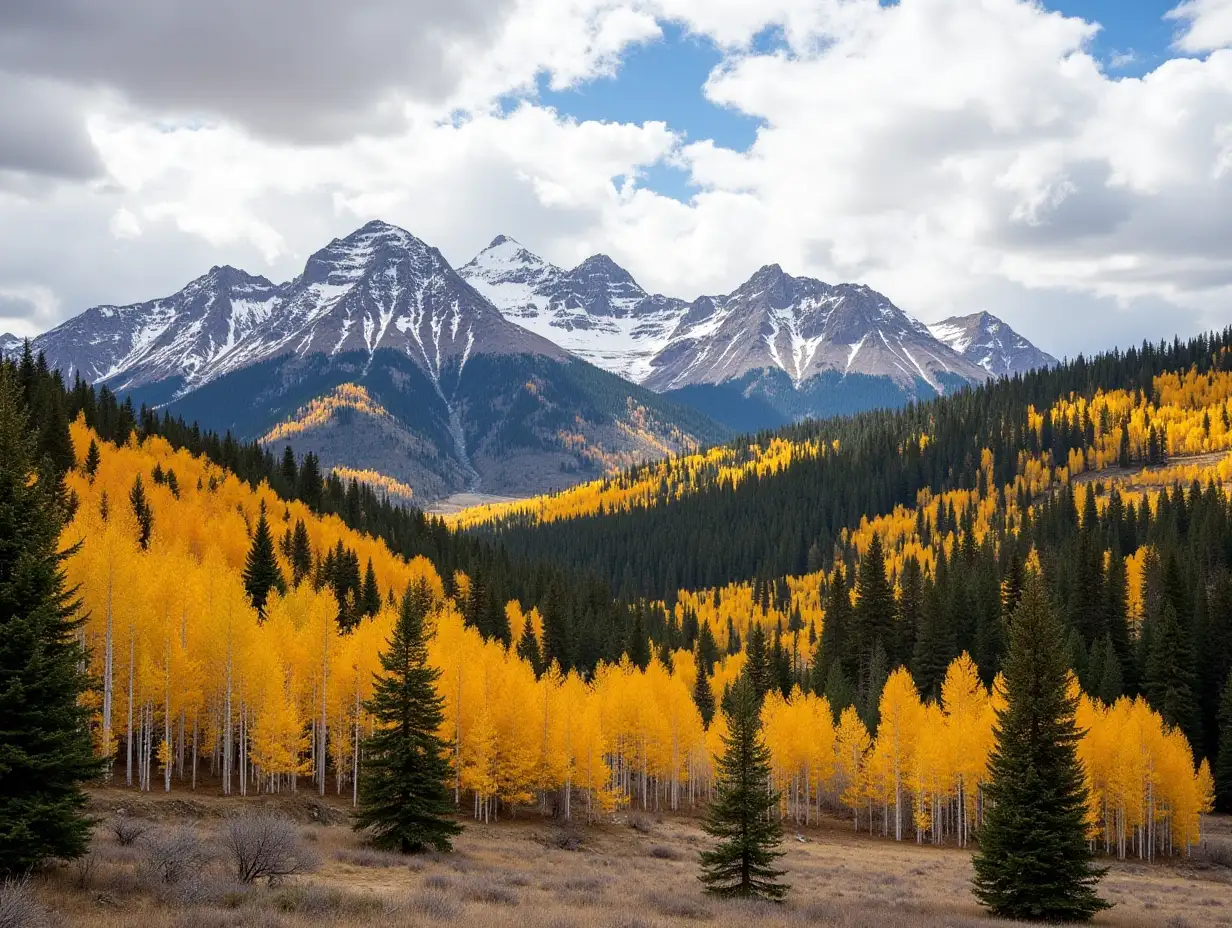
x=193 y=683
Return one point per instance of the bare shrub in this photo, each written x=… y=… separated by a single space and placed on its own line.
x=127 y=829
x=83 y=869
x=676 y=905
x=640 y=821
x=663 y=852
x=438 y=881
x=370 y=857
x=490 y=893
x=173 y=855
x=433 y=905
x=264 y=846
x=18 y=907
x=317 y=900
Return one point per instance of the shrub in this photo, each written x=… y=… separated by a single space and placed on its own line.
x=171 y=856
x=639 y=821
x=490 y=893
x=264 y=846
x=128 y=829
x=663 y=852
x=18 y=907
x=433 y=905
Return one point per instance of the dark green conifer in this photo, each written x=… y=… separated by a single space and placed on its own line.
x=45 y=749
x=301 y=553
x=404 y=797
x=1223 y=761
x=141 y=509
x=1035 y=861
x=743 y=816
x=370 y=595
x=93 y=459
x=703 y=695
x=261 y=571
x=1170 y=682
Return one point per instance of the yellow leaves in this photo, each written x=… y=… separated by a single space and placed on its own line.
x=375 y=480
x=321 y=410
x=649 y=484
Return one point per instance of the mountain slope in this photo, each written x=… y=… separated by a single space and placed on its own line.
x=778 y=348
x=987 y=341
x=597 y=310
x=381 y=309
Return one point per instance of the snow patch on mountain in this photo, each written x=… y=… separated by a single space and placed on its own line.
x=991 y=344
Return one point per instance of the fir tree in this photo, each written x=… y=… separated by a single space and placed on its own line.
x=874 y=611
x=703 y=695
x=1170 y=675
x=301 y=553
x=743 y=814
x=370 y=596
x=141 y=509
x=1034 y=860
x=528 y=650
x=404 y=796
x=93 y=459
x=757 y=666
x=261 y=571
x=1223 y=761
x=45 y=748
x=638 y=647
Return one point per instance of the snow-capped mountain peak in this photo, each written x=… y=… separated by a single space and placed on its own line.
x=985 y=340
x=379 y=287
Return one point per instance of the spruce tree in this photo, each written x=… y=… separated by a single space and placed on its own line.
x=1035 y=862
x=403 y=789
x=142 y=511
x=301 y=553
x=1170 y=679
x=261 y=571
x=45 y=748
x=1223 y=761
x=370 y=597
x=703 y=695
x=742 y=816
x=93 y=459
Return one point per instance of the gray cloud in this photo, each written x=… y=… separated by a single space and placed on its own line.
x=307 y=70
x=44 y=130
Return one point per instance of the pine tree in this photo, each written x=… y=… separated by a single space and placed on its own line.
x=638 y=647
x=757 y=666
x=703 y=695
x=1170 y=681
x=141 y=509
x=874 y=611
x=301 y=553
x=1223 y=761
x=404 y=796
x=370 y=597
x=261 y=571
x=1035 y=861
x=743 y=814
x=45 y=748
x=93 y=459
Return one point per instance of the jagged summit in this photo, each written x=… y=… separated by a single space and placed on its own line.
x=379 y=287
x=988 y=342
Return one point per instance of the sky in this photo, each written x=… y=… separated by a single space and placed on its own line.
x=1065 y=165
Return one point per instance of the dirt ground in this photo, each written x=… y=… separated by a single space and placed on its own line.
x=637 y=871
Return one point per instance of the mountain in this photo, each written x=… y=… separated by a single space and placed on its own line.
x=378 y=356
x=777 y=349
x=10 y=344
x=596 y=310
x=987 y=341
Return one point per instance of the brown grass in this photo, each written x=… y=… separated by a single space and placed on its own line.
x=523 y=874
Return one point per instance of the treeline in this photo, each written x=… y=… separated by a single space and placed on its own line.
x=787 y=522
x=588 y=623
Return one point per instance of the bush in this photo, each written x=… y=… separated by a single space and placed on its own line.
x=18 y=907
x=663 y=852
x=639 y=821
x=128 y=829
x=264 y=846
x=172 y=856
x=433 y=905
x=490 y=893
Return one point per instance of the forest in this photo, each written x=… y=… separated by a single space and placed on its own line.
x=235 y=605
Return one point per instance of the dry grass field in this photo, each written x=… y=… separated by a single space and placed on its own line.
x=638 y=871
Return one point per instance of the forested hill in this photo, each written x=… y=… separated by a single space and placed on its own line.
x=600 y=623
x=786 y=520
